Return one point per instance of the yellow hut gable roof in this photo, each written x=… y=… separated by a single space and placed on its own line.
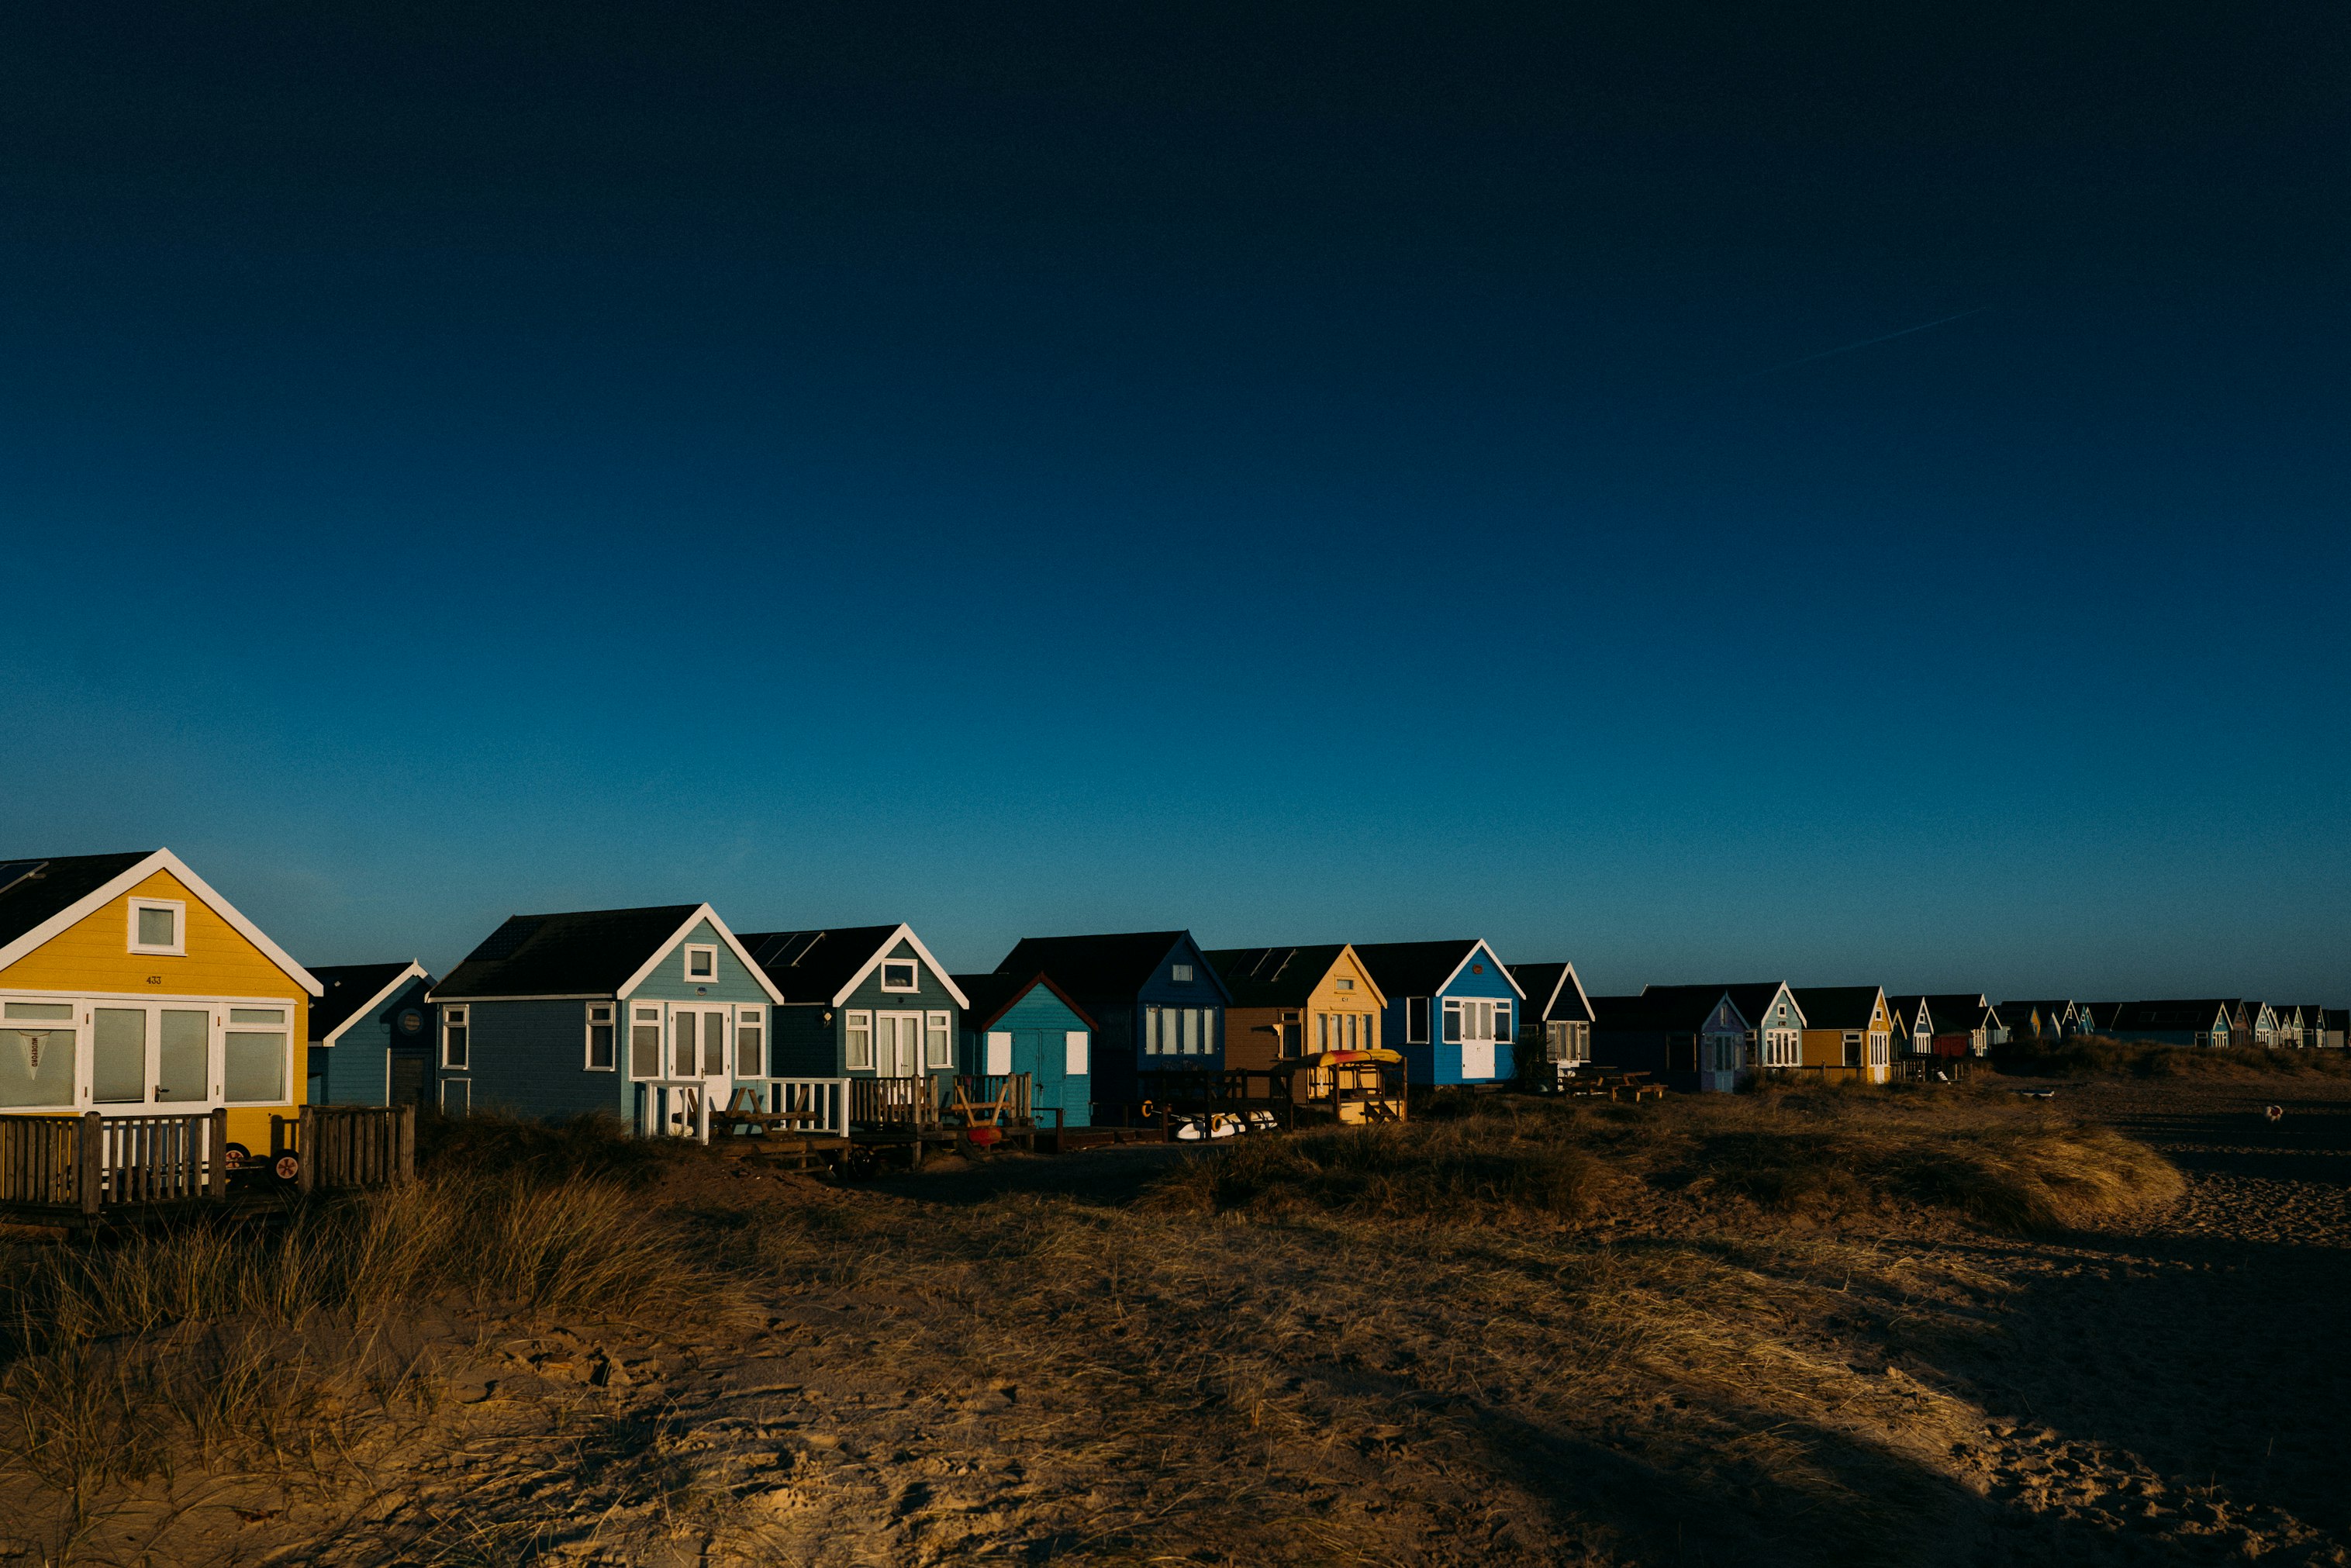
x=41 y=899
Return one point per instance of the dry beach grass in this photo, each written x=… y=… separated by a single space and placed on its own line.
x=1808 y=1327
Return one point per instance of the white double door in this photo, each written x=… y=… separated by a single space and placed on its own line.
x=898 y=1044
x=700 y=1052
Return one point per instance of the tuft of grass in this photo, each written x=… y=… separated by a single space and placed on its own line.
x=598 y=1146
x=1468 y=1169
x=1809 y=1152
x=2097 y=1056
x=114 y=1352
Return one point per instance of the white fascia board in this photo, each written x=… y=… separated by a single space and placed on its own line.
x=375 y=1001
x=701 y=912
x=1573 y=978
x=903 y=934
x=162 y=860
x=1347 y=952
x=1477 y=947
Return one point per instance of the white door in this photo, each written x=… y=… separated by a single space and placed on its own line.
x=1477 y=1059
x=898 y=1044
x=698 y=1061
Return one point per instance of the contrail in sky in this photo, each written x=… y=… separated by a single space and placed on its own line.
x=1865 y=342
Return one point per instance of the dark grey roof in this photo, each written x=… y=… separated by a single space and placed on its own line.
x=1839 y=1006
x=2336 y=1018
x=992 y=996
x=1669 y=1009
x=586 y=953
x=1110 y=966
x=348 y=988
x=2173 y=1017
x=1752 y=997
x=812 y=965
x=1274 y=977
x=1416 y=969
x=1547 y=989
x=32 y=890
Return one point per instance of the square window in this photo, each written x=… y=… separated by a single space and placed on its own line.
x=701 y=962
x=900 y=974
x=158 y=925
x=1182 y=974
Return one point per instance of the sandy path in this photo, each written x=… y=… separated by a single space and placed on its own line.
x=2184 y=1383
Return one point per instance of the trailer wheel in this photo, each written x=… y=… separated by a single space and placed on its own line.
x=237 y=1157
x=288 y=1167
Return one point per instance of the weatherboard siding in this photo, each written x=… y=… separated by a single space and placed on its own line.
x=356 y=1070
x=527 y=1058
x=1436 y=1061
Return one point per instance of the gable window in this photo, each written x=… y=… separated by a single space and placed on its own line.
x=701 y=962
x=900 y=974
x=751 y=1042
x=644 y=1042
x=158 y=925
x=455 y=1037
x=1416 y=1020
x=1182 y=974
x=861 y=1040
x=938 y=1047
x=1343 y=984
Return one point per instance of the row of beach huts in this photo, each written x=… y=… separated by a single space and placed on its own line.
x=131 y=989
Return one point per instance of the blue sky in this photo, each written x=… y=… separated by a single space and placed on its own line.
x=1301 y=479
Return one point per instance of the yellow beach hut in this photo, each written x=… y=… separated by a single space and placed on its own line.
x=129 y=988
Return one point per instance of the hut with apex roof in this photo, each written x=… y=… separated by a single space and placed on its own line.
x=1556 y=1025
x=1291 y=1002
x=1676 y=1034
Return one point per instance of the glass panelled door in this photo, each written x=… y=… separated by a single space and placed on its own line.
x=898 y=1044
x=697 y=1049
x=159 y=1058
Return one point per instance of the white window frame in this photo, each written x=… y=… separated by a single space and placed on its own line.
x=1783 y=1048
x=999 y=1050
x=642 y=1015
x=1881 y=1048
x=1417 y=1031
x=938 y=1042
x=913 y=968
x=1151 y=1015
x=611 y=1020
x=1179 y=974
x=1077 y=1053
x=461 y=1016
x=753 y=1018
x=709 y=949
x=853 y=1024
x=232 y=1028
x=175 y=949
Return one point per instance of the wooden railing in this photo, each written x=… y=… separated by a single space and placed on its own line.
x=817 y=1107
x=893 y=1105
x=82 y=1164
x=994 y=1100
x=347 y=1145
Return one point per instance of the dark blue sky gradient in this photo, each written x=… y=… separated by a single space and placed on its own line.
x=1301 y=477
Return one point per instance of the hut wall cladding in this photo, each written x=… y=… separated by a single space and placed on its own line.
x=356 y=1070
x=92 y=955
x=530 y=1058
x=802 y=1045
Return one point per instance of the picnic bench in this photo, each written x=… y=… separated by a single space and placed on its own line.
x=1612 y=1082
